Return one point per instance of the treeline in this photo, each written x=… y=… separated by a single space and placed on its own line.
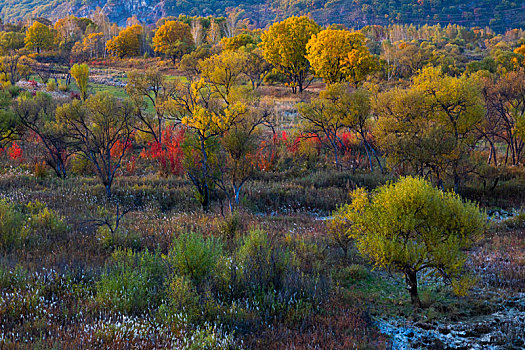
x=499 y=15
x=400 y=99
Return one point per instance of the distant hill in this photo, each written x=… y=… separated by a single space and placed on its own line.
x=498 y=14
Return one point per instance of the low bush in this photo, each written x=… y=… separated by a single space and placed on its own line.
x=30 y=225
x=133 y=282
x=194 y=256
x=13 y=230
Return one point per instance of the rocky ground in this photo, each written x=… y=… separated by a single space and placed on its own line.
x=501 y=329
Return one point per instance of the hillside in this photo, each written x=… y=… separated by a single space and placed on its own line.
x=498 y=14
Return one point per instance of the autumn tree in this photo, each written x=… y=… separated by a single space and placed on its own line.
x=338 y=109
x=68 y=28
x=284 y=46
x=256 y=67
x=150 y=88
x=91 y=46
x=433 y=123
x=197 y=32
x=406 y=58
x=190 y=63
x=505 y=101
x=13 y=63
x=37 y=114
x=8 y=120
x=457 y=104
x=214 y=34
x=206 y=113
x=39 y=37
x=520 y=51
x=224 y=71
x=236 y=155
x=126 y=43
x=101 y=128
x=80 y=72
x=338 y=55
x=413 y=228
x=407 y=135
x=173 y=39
x=238 y=41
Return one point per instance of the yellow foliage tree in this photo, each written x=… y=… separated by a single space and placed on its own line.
x=284 y=46
x=91 y=46
x=206 y=114
x=67 y=28
x=39 y=37
x=521 y=51
x=224 y=71
x=432 y=125
x=337 y=55
x=126 y=43
x=80 y=72
x=173 y=39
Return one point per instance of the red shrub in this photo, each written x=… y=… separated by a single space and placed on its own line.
x=15 y=152
x=168 y=154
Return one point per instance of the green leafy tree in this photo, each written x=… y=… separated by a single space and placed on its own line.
x=414 y=228
x=150 y=88
x=8 y=120
x=433 y=124
x=101 y=128
x=37 y=113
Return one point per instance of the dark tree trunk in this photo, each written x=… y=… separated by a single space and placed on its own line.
x=411 y=279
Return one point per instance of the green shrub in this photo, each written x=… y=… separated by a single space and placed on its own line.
x=51 y=86
x=183 y=298
x=133 y=283
x=516 y=221
x=230 y=226
x=353 y=273
x=45 y=224
x=210 y=338
x=271 y=279
x=122 y=239
x=63 y=87
x=14 y=90
x=13 y=279
x=31 y=224
x=13 y=229
x=81 y=166
x=194 y=256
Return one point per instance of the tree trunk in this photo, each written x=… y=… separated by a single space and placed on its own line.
x=411 y=279
x=456 y=182
x=108 y=190
x=371 y=164
x=336 y=157
x=205 y=188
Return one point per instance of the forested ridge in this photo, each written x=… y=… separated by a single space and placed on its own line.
x=498 y=14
